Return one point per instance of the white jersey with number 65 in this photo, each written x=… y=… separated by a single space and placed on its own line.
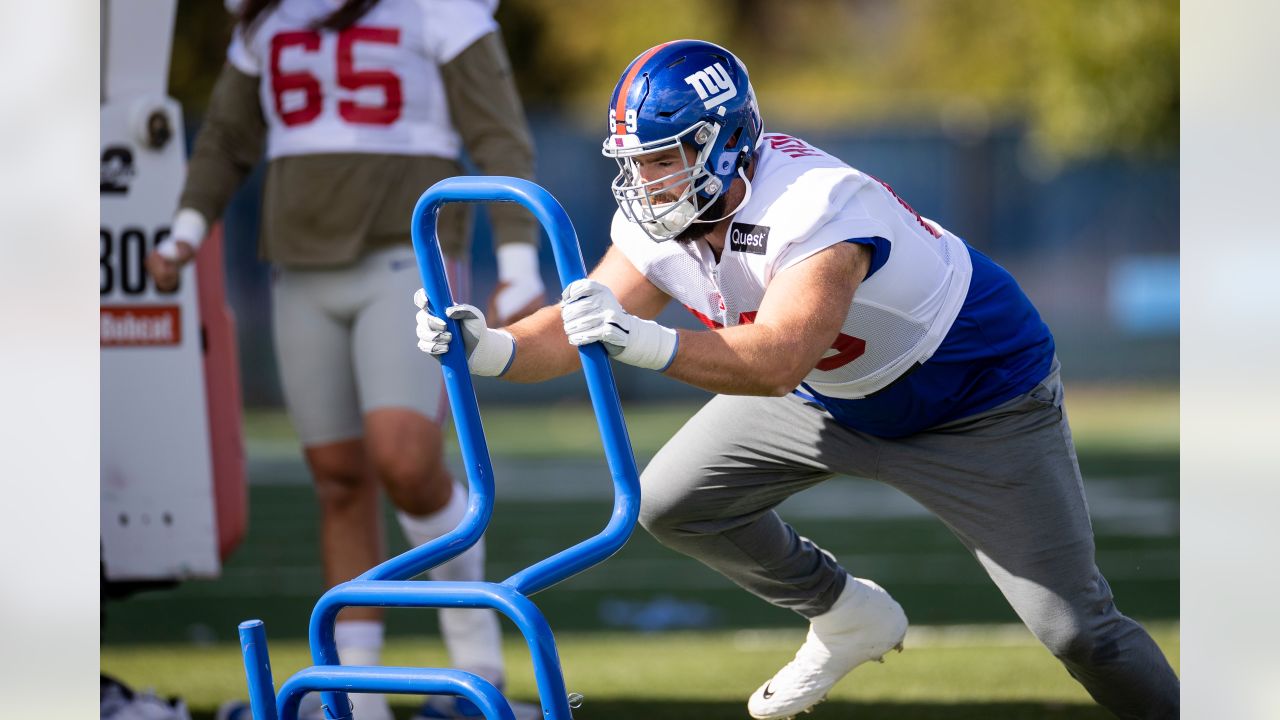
x=374 y=87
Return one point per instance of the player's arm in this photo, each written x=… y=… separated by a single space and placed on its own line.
x=535 y=348
x=229 y=144
x=543 y=351
x=802 y=312
x=486 y=110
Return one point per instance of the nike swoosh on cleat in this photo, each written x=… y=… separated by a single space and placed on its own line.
x=767 y=692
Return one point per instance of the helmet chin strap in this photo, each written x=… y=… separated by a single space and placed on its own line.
x=746 y=197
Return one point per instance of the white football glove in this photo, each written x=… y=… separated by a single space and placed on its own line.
x=591 y=313
x=489 y=352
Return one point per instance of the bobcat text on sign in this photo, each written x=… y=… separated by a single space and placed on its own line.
x=140 y=325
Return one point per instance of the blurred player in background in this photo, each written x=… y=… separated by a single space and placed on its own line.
x=360 y=106
x=849 y=335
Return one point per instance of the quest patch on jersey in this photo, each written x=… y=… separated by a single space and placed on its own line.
x=746 y=238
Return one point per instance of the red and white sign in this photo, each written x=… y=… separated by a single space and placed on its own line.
x=141 y=325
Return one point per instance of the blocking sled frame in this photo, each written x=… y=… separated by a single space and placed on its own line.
x=391 y=583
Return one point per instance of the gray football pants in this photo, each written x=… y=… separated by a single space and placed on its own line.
x=1005 y=481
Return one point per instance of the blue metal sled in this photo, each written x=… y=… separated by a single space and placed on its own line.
x=390 y=584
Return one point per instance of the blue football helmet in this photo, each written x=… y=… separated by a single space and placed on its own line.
x=689 y=95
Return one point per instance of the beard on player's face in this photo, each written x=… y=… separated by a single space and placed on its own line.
x=698 y=228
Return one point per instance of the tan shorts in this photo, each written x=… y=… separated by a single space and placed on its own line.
x=345 y=344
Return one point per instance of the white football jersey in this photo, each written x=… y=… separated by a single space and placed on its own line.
x=803 y=201
x=372 y=88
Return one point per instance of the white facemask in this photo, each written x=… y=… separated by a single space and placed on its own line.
x=669 y=223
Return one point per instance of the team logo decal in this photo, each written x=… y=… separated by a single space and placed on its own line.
x=747 y=238
x=713 y=85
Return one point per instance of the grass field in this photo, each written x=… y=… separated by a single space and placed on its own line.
x=650 y=634
x=953 y=673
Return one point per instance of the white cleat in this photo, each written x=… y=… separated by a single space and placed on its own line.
x=862 y=625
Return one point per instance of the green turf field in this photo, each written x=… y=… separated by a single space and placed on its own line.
x=650 y=634
x=948 y=673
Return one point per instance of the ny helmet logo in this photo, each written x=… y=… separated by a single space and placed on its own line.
x=713 y=85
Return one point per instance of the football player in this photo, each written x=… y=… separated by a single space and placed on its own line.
x=846 y=335
x=359 y=106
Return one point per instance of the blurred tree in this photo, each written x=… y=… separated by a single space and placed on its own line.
x=568 y=54
x=202 y=32
x=1108 y=77
x=1085 y=77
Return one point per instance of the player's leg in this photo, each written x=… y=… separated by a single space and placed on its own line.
x=350 y=524
x=406 y=450
x=312 y=338
x=1007 y=483
x=403 y=398
x=710 y=493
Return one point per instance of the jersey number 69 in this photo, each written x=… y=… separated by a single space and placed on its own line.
x=848 y=348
